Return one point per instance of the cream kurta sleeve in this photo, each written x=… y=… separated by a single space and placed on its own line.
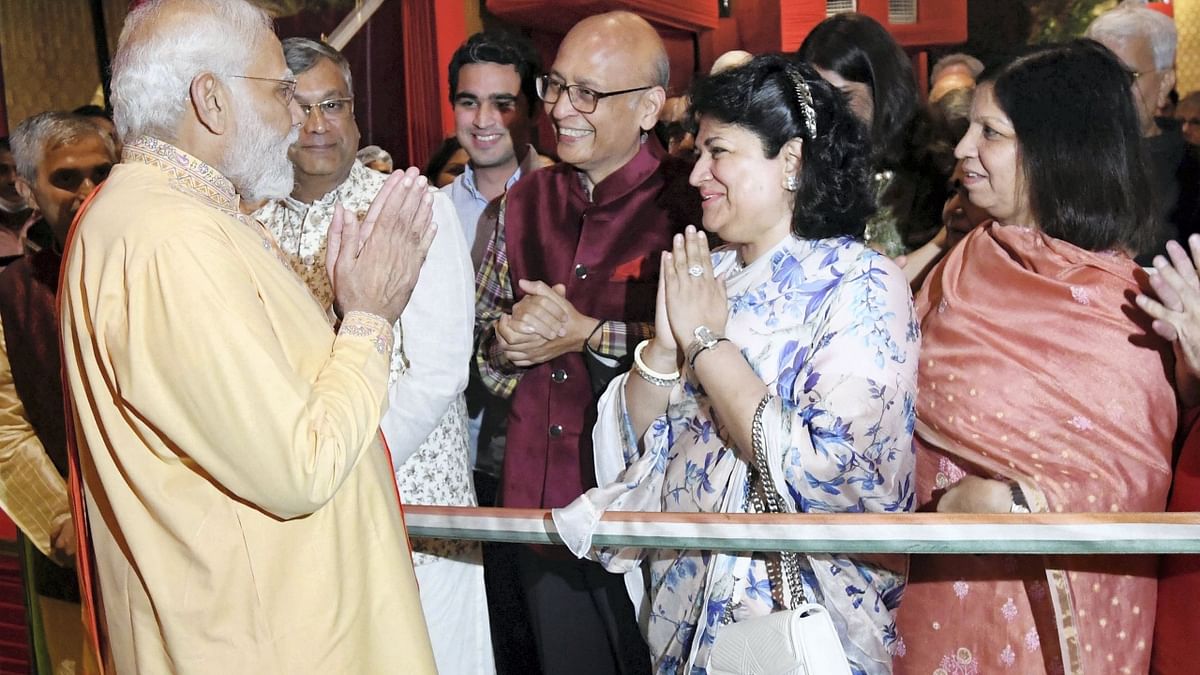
x=197 y=360
x=31 y=491
x=437 y=327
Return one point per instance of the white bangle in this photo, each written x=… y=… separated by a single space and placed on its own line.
x=649 y=374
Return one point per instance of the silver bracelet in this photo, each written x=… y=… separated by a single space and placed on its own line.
x=649 y=374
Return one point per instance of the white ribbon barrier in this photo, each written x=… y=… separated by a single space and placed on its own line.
x=1039 y=533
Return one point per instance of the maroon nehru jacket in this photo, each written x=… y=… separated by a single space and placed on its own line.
x=605 y=250
x=30 y=315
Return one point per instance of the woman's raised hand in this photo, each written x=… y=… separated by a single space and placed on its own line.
x=694 y=296
x=1176 y=311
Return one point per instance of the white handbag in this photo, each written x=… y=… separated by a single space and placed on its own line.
x=801 y=640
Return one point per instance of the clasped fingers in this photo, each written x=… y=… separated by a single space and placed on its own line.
x=540 y=315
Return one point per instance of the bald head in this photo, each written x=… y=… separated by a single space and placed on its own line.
x=605 y=89
x=730 y=59
x=627 y=36
x=948 y=82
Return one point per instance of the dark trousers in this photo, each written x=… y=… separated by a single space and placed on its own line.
x=583 y=622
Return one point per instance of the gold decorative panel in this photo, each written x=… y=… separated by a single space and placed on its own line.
x=49 y=56
x=1187 y=60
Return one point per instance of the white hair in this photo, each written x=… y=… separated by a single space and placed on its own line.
x=38 y=135
x=958 y=58
x=374 y=153
x=1132 y=20
x=164 y=45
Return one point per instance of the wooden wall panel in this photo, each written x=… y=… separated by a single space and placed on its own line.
x=114 y=17
x=939 y=22
x=559 y=15
x=1187 y=59
x=49 y=56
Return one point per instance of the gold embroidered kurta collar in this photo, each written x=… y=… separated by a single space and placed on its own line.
x=187 y=174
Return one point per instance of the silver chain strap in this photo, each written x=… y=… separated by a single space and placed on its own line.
x=765 y=500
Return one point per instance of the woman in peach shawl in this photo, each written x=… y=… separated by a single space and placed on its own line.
x=1039 y=390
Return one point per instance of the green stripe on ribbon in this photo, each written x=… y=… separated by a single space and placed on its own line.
x=1042 y=534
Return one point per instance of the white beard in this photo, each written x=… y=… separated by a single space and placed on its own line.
x=257 y=163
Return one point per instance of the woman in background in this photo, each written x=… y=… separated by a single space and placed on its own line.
x=857 y=55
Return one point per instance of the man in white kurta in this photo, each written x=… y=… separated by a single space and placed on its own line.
x=425 y=423
x=242 y=509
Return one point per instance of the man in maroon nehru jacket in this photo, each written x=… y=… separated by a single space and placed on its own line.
x=565 y=293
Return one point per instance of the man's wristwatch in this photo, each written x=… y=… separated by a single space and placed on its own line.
x=705 y=339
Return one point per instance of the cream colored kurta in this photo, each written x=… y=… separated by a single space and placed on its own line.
x=31 y=491
x=242 y=510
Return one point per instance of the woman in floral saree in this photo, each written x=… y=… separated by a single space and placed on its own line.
x=796 y=325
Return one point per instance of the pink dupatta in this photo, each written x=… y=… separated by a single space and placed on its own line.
x=1036 y=368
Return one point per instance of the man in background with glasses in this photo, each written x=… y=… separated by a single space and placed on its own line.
x=60 y=159
x=425 y=422
x=565 y=292
x=241 y=508
x=1145 y=41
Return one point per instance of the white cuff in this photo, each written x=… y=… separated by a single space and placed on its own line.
x=576 y=523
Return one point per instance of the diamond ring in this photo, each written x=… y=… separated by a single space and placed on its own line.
x=695 y=271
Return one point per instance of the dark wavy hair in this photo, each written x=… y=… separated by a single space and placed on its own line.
x=834 y=197
x=859 y=49
x=502 y=48
x=1087 y=182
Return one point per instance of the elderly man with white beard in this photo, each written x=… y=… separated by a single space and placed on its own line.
x=243 y=515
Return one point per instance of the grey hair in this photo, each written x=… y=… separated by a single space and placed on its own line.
x=1132 y=19
x=302 y=54
x=958 y=58
x=662 y=69
x=374 y=153
x=37 y=135
x=164 y=45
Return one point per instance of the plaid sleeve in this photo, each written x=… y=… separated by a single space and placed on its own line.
x=494 y=298
x=618 y=338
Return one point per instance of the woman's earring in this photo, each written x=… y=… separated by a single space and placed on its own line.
x=792 y=183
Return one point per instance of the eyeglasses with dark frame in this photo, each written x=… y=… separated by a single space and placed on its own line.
x=287 y=88
x=1135 y=74
x=332 y=108
x=584 y=99
x=70 y=179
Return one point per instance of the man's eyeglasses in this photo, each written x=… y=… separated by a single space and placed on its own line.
x=285 y=91
x=1135 y=74
x=332 y=108
x=585 y=100
x=71 y=179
